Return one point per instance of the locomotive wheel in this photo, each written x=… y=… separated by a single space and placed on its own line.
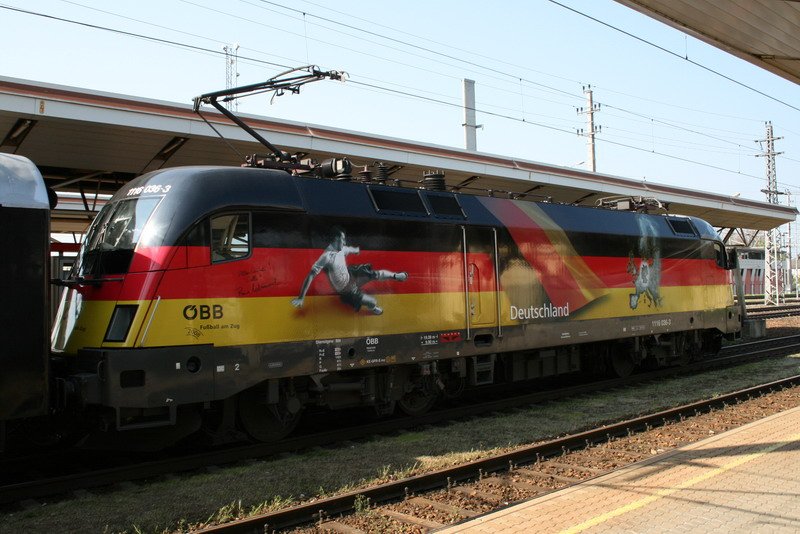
x=454 y=387
x=621 y=363
x=267 y=422
x=418 y=401
x=712 y=343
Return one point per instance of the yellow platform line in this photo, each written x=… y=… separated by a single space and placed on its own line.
x=686 y=484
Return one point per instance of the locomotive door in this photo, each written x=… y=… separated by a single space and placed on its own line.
x=480 y=273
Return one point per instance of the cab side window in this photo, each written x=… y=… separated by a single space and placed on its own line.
x=230 y=237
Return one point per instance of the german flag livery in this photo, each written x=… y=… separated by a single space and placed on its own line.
x=259 y=275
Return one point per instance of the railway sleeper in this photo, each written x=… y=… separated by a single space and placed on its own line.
x=577 y=467
x=472 y=492
x=524 y=485
x=411 y=520
x=339 y=528
x=441 y=507
x=530 y=473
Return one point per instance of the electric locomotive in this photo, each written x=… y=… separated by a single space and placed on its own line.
x=237 y=296
x=229 y=299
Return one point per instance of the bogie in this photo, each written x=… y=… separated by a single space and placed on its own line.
x=269 y=412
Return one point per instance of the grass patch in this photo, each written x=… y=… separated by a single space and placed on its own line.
x=261 y=486
x=361 y=505
x=410 y=437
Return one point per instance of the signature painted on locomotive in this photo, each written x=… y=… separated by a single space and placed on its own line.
x=346 y=279
x=193 y=332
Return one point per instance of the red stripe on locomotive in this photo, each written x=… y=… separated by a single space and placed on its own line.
x=280 y=273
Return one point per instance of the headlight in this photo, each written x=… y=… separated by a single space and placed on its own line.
x=120 y=323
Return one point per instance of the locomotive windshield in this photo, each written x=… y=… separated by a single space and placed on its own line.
x=110 y=242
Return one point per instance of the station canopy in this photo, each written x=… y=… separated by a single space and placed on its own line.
x=87 y=144
x=763 y=32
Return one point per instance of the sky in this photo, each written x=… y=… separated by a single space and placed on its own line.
x=662 y=118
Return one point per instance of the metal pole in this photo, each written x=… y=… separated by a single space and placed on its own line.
x=739 y=283
x=791 y=271
x=591 y=129
x=771 y=251
x=470 y=128
x=776 y=259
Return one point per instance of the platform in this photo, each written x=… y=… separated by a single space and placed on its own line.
x=744 y=480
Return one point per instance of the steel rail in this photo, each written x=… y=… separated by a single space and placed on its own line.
x=396 y=490
x=67 y=483
x=769 y=312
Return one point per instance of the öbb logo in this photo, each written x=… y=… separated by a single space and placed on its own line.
x=203 y=311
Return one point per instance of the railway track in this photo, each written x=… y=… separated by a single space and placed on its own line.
x=48 y=486
x=432 y=500
x=772 y=312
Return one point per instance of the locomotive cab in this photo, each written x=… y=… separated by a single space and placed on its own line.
x=132 y=322
x=100 y=306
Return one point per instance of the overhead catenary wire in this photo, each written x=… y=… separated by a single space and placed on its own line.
x=672 y=125
x=501 y=72
x=678 y=106
x=675 y=54
x=427 y=38
x=140 y=21
x=685 y=143
x=739 y=139
x=284 y=66
x=415 y=66
x=472 y=63
x=513 y=76
x=557 y=129
x=418 y=47
x=321 y=41
x=494 y=70
x=571 y=132
x=136 y=35
x=538 y=86
x=188 y=46
x=678 y=143
x=486 y=104
x=176 y=30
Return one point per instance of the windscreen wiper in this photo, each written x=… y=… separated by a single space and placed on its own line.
x=81 y=281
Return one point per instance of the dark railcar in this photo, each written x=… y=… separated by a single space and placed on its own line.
x=24 y=316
